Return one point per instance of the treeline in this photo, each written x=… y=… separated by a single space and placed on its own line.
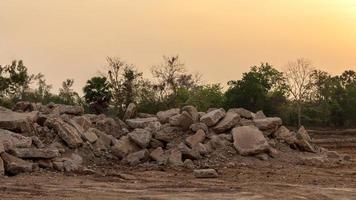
x=299 y=94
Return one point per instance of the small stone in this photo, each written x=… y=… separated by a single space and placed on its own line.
x=137 y=157
x=205 y=173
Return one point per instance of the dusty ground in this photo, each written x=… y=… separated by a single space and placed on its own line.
x=269 y=180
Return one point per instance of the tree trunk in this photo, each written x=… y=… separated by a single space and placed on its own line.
x=299 y=110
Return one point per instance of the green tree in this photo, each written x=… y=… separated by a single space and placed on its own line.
x=67 y=94
x=257 y=89
x=97 y=94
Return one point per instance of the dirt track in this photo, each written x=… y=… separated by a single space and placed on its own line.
x=271 y=182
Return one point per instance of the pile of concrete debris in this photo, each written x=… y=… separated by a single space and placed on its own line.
x=63 y=138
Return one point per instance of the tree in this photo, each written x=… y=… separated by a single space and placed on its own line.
x=257 y=89
x=97 y=94
x=171 y=79
x=67 y=94
x=298 y=76
x=125 y=82
x=206 y=96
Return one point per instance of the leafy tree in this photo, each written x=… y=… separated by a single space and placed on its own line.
x=206 y=96
x=257 y=89
x=97 y=94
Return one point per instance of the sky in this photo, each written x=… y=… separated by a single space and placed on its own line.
x=219 y=39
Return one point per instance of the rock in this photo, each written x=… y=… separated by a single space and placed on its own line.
x=137 y=157
x=198 y=137
x=246 y=122
x=33 y=153
x=45 y=163
x=130 y=112
x=196 y=126
x=72 y=163
x=175 y=157
x=205 y=173
x=145 y=115
x=188 y=153
x=213 y=117
x=159 y=156
x=2 y=148
x=110 y=127
x=262 y=156
x=333 y=155
x=83 y=121
x=2 y=167
x=243 y=112
x=168 y=133
x=124 y=147
x=11 y=140
x=140 y=122
x=90 y=136
x=283 y=134
x=304 y=140
x=67 y=109
x=188 y=164
x=230 y=120
x=269 y=124
x=154 y=143
x=183 y=120
x=193 y=112
x=163 y=116
x=154 y=127
x=248 y=140
x=260 y=115
x=141 y=137
x=217 y=142
x=14 y=166
x=201 y=148
x=66 y=132
x=37 y=142
x=18 y=122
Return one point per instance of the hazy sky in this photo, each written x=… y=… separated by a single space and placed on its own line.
x=218 y=38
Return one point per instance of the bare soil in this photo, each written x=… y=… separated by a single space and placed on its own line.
x=265 y=180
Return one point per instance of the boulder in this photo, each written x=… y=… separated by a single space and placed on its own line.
x=196 y=126
x=201 y=148
x=248 y=140
x=243 y=113
x=188 y=153
x=69 y=163
x=260 y=115
x=205 y=173
x=189 y=164
x=269 y=124
x=37 y=142
x=137 y=157
x=230 y=120
x=140 y=122
x=198 y=137
x=154 y=143
x=11 y=140
x=66 y=132
x=67 y=109
x=110 y=127
x=34 y=153
x=304 y=141
x=159 y=156
x=174 y=157
x=18 y=122
x=283 y=134
x=164 y=116
x=141 y=137
x=192 y=111
x=183 y=120
x=14 y=166
x=124 y=147
x=213 y=117
x=90 y=136
x=83 y=121
x=103 y=138
x=130 y=112
x=168 y=133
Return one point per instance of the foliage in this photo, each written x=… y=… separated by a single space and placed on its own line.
x=97 y=94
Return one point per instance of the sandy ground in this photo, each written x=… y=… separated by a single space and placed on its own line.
x=270 y=182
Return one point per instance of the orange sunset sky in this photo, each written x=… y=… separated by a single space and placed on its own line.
x=218 y=38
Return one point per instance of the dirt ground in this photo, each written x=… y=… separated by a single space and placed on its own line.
x=265 y=180
x=270 y=182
